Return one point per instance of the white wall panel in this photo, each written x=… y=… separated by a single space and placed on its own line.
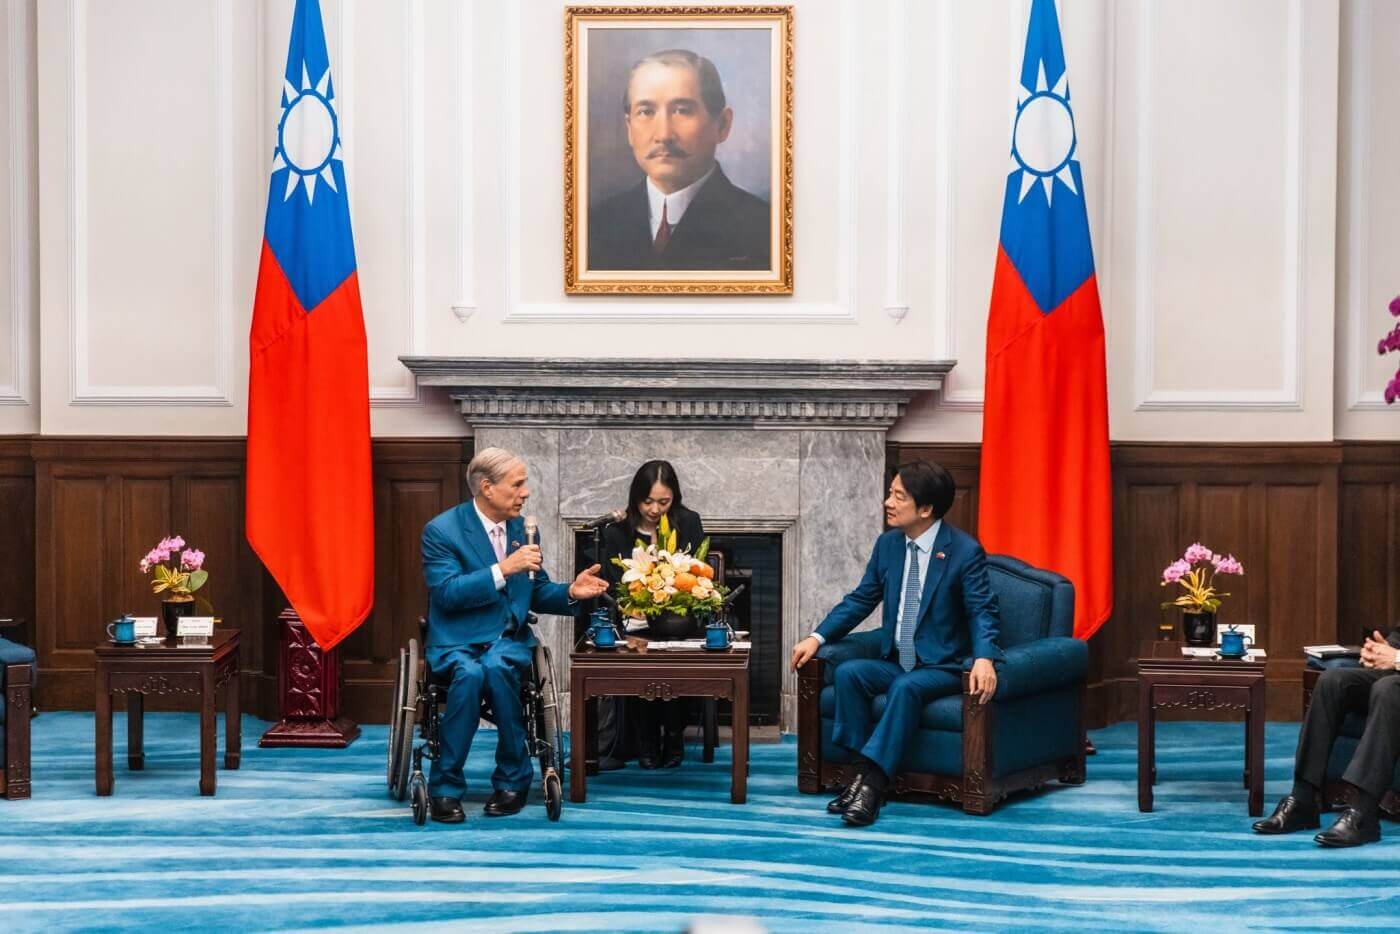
x=1207 y=134
x=1369 y=227
x=18 y=232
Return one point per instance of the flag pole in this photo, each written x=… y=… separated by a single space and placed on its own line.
x=309 y=681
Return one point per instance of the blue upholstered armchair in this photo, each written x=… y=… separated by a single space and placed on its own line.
x=1345 y=746
x=1031 y=733
x=16 y=679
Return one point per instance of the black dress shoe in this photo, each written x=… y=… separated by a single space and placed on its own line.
x=503 y=803
x=1351 y=829
x=675 y=750
x=838 y=804
x=446 y=810
x=864 y=806
x=1290 y=815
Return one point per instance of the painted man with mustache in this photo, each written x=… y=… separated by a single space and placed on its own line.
x=686 y=214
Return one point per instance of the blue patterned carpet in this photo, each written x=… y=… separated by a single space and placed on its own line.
x=305 y=839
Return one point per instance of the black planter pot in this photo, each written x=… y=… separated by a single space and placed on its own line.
x=670 y=626
x=1198 y=628
x=171 y=612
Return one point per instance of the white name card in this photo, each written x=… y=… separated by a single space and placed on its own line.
x=145 y=626
x=195 y=626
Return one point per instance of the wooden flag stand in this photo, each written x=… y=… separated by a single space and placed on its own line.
x=308 y=689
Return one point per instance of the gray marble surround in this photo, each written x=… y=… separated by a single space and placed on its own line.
x=789 y=447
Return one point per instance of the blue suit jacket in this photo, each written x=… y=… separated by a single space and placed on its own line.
x=958 y=617
x=464 y=606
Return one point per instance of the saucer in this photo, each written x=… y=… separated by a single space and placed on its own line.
x=605 y=648
x=717 y=648
x=115 y=642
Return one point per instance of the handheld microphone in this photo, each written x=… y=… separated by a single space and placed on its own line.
x=617 y=515
x=532 y=535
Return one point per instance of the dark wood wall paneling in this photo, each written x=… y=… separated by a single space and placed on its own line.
x=99 y=504
x=17 y=536
x=1317 y=526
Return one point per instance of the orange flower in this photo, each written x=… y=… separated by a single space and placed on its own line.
x=685 y=581
x=704 y=569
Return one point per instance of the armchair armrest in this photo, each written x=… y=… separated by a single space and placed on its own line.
x=12 y=653
x=1042 y=665
x=856 y=645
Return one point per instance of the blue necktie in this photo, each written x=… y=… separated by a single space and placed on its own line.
x=907 y=657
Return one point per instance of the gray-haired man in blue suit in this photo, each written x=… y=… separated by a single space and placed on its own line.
x=480 y=593
x=940 y=618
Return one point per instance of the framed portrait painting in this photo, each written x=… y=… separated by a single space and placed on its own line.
x=678 y=150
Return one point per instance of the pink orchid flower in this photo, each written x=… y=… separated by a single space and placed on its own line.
x=1175 y=571
x=1198 y=552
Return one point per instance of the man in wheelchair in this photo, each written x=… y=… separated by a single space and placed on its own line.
x=483 y=582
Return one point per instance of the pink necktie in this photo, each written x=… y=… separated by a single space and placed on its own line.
x=498 y=542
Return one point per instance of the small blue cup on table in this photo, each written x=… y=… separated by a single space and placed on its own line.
x=122 y=631
x=600 y=629
x=1232 y=643
x=718 y=635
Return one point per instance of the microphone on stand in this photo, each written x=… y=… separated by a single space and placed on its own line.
x=617 y=515
x=532 y=535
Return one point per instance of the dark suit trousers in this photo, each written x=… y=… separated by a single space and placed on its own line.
x=860 y=681
x=494 y=672
x=1340 y=691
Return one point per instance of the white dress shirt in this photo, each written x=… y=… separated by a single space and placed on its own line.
x=675 y=203
x=488 y=525
x=924 y=550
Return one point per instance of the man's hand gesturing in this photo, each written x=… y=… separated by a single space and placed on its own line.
x=588 y=584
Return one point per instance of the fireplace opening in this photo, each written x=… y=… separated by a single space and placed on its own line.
x=753 y=559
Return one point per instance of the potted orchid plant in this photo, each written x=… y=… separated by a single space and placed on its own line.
x=1195 y=572
x=176 y=579
x=1389 y=343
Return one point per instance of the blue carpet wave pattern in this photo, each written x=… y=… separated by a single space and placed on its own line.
x=304 y=839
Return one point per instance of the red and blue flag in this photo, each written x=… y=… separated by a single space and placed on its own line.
x=310 y=509
x=1045 y=492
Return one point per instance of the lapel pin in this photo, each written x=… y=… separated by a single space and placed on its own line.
x=939 y=555
x=515 y=544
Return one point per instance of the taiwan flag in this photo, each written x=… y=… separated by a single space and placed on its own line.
x=310 y=512
x=1045 y=494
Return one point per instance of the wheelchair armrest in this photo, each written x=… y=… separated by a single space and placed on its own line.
x=855 y=645
x=1042 y=665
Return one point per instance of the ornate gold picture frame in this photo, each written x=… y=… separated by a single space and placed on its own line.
x=678 y=150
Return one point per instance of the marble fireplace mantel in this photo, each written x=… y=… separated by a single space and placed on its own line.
x=836 y=394
x=793 y=447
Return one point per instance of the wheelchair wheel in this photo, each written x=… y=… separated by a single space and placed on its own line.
x=396 y=721
x=549 y=712
x=419 y=795
x=410 y=716
x=553 y=795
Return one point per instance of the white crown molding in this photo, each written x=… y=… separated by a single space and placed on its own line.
x=1358 y=102
x=464 y=60
x=408 y=392
x=21 y=266
x=82 y=391
x=1288 y=396
x=784 y=311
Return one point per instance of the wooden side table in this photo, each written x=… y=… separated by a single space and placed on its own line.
x=165 y=669
x=661 y=674
x=1169 y=680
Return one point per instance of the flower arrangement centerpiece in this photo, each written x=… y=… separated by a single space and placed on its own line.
x=176 y=579
x=1389 y=343
x=662 y=578
x=1195 y=572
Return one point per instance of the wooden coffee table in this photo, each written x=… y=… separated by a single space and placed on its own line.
x=1169 y=680
x=660 y=674
x=169 y=670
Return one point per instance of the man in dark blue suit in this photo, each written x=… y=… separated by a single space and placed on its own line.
x=480 y=593
x=940 y=617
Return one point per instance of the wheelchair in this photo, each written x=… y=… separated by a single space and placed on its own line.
x=418 y=696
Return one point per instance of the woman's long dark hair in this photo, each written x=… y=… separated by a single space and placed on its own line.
x=647 y=476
